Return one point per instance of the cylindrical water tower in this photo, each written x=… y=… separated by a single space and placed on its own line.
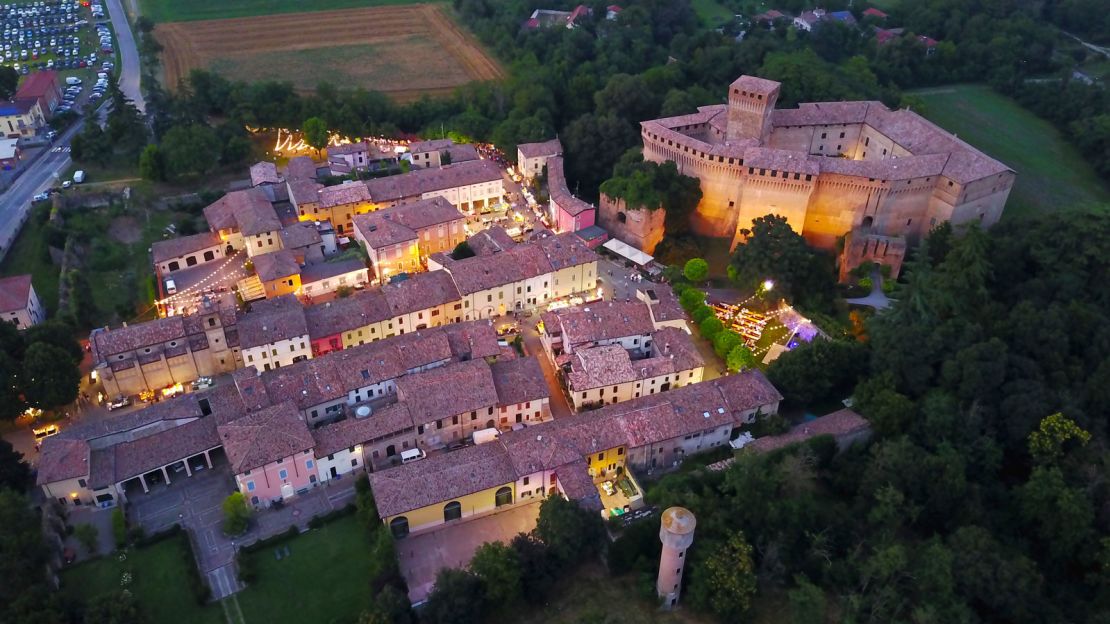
x=676 y=531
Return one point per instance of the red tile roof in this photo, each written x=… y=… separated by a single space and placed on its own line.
x=838 y=424
x=37 y=85
x=519 y=380
x=61 y=459
x=415 y=183
x=276 y=265
x=559 y=193
x=447 y=391
x=272 y=320
x=545 y=148
x=264 y=173
x=265 y=436
x=169 y=249
x=14 y=292
x=441 y=478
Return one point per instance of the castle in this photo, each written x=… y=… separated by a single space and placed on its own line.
x=880 y=178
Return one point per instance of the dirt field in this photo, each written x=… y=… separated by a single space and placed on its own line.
x=404 y=51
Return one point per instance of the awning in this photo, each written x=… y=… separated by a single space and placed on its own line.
x=627 y=251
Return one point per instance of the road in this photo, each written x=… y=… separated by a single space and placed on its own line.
x=129 y=74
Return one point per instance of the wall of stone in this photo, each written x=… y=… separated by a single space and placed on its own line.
x=643 y=229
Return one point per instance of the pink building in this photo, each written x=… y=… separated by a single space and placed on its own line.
x=568 y=213
x=270 y=452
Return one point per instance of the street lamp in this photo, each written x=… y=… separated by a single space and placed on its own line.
x=768 y=285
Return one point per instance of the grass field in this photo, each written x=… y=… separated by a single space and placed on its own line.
x=1051 y=174
x=404 y=51
x=325 y=578
x=711 y=12
x=192 y=10
x=158 y=581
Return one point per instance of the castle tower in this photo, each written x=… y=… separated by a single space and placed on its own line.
x=676 y=531
x=751 y=101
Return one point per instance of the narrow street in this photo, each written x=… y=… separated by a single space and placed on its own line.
x=560 y=408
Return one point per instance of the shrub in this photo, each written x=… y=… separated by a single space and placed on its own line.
x=725 y=341
x=88 y=536
x=710 y=327
x=690 y=298
x=701 y=312
x=236 y=514
x=119 y=527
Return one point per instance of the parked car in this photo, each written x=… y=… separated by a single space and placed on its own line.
x=118 y=402
x=203 y=383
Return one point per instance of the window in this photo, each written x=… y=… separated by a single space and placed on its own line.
x=525 y=480
x=823 y=135
x=308 y=464
x=354 y=463
x=842 y=135
x=250 y=486
x=283 y=474
x=452 y=511
x=81 y=482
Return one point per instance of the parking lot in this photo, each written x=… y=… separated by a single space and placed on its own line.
x=61 y=35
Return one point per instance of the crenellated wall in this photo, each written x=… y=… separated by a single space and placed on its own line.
x=641 y=228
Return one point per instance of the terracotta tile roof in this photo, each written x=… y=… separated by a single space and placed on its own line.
x=272 y=320
x=782 y=160
x=38 y=84
x=276 y=265
x=420 y=292
x=403 y=222
x=448 y=390
x=545 y=148
x=306 y=384
x=471 y=340
x=169 y=249
x=576 y=482
x=519 y=380
x=480 y=273
x=872 y=11
x=108 y=342
x=340 y=315
x=350 y=148
x=753 y=84
x=490 y=241
x=320 y=271
x=136 y=457
x=365 y=365
x=265 y=436
x=601 y=320
x=379 y=233
x=264 y=173
x=300 y=168
x=249 y=210
x=462 y=153
x=61 y=459
x=385 y=422
x=559 y=193
x=14 y=292
x=415 y=183
x=565 y=250
x=838 y=424
x=537 y=448
x=299 y=235
x=431 y=145
x=664 y=304
x=349 y=192
x=677 y=346
x=466 y=471
x=303 y=191
x=595 y=367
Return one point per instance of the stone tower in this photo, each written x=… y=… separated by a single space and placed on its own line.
x=751 y=101
x=676 y=531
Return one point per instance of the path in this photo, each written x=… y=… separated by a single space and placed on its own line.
x=1105 y=51
x=129 y=74
x=877 y=298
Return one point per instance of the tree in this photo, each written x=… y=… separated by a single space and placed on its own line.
x=88 y=536
x=740 y=358
x=773 y=250
x=570 y=532
x=701 y=312
x=538 y=568
x=456 y=598
x=1060 y=515
x=725 y=341
x=237 y=514
x=23 y=551
x=725 y=581
x=889 y=411
x=315 y=133
x=696 y=270
x=9 y=80
x=390 y=606
x=691 y=298
x=151 y=165
x=814 y=370
x=498 y=566
x=48 y=379
x=15 y=474
x=11 y=399
x=807 y=602
x=1047 y=444
x=710 y=327
x=115 y=608
x=189 y=150
x=58 y=333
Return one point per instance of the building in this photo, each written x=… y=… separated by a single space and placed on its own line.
x=274 y=333
x=21 y=119
x=19 y=303
x=627 y=324
x=173 y=254
x=676 y=531
x=270 y=452
x=41 y=87
x=246 y=220
x=163 y=353
x=264 y=173
x=522 y=277
x=642 y=228
x=400 y=239
x=834 y=169
x=9 y=153
x=568 y=213
x=808 y=20
x=360 y=156
x=439 y=152
x=573 y=456
x=471 y=186
x=531 y=158
x=322 y=278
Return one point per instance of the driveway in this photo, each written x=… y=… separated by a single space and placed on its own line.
x=129 y=75
x=452 y=546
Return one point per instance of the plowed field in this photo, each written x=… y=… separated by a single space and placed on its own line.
x=404 y=51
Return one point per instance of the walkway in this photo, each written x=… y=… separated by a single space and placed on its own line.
x=877 y=298
x=129 y=74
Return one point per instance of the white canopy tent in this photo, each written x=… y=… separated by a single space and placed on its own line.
x=627 y=251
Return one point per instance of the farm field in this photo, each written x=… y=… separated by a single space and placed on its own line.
x=403 y=51
x=1051 y=174
x=177 y=11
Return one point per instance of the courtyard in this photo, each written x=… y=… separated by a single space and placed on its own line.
x=422 y=556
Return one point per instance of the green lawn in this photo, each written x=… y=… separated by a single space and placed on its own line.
x=711 y=12
x=1051 y=174
x=190 y=10
x=325 y=578
x=29 y=254
x=158 y=580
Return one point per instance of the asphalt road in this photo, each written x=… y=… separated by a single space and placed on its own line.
x=129 y=75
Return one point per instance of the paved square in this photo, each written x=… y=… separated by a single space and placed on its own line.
x=452 y=546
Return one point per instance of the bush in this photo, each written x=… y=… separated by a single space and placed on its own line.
x=691 y=298
x=701 y=312
x=236 y=514
x=710 y=327
x=725 y=341
x=88 y=536
x=119 y=528
x=365 y=506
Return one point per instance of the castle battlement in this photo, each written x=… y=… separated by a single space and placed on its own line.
x=828 y=167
